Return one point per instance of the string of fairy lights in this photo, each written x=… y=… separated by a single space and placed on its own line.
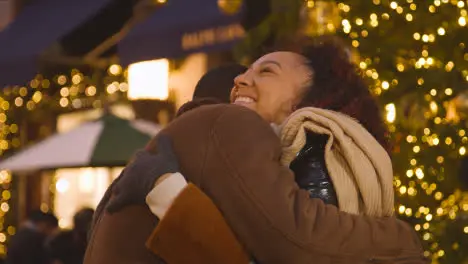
x=423 y=177
x=75 y=91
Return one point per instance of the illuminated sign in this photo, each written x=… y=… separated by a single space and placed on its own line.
x=212 y=36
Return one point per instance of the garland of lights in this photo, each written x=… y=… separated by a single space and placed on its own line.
x=75 y=91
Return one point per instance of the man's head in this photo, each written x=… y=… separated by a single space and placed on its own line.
x=45 y=223
x=214 y=87
x=218 y=82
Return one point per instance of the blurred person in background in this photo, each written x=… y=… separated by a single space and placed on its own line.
x=27 y=246
x=69 y=246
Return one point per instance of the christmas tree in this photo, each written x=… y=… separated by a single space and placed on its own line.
x=414 y=51
x=415 y=57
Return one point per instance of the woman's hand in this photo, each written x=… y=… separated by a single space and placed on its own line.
x=140 y=176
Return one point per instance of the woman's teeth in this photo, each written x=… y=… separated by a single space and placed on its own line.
x=243 y=99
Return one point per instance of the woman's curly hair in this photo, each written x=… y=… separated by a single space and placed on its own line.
x=337 y=84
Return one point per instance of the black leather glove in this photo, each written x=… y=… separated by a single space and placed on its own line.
x=139 y=177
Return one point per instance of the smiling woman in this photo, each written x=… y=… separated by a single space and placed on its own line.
x=273 y=85
x=313 y=73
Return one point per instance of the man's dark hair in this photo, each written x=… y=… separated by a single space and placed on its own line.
x=214 y=87
x=217 y=83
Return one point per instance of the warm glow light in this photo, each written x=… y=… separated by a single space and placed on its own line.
x=149 y=80
x=78 y=188
x=86 y=180
x=441 y=31
x=462 y=21
x=62 y=186
x=462 y=151
x=115 y=69
x=385 y=85
x=391 y=113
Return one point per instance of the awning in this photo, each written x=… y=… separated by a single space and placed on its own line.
x=107 y=142
x=36 y=28
x=183 y=27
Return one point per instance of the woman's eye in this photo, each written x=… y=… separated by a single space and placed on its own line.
x=266 y=70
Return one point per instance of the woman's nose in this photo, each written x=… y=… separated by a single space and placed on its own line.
x=242 y=80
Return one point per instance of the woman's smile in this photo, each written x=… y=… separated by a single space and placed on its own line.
x=244 y=101
x=273 y=85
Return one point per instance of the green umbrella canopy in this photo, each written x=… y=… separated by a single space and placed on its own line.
x=106 y=142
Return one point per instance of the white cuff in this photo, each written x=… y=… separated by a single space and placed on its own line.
x=163 y=194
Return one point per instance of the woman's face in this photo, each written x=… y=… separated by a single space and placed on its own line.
x=273 y=85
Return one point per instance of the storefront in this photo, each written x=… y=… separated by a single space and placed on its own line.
x=159 y=61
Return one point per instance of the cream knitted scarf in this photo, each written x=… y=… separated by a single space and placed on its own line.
x=359 y=167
